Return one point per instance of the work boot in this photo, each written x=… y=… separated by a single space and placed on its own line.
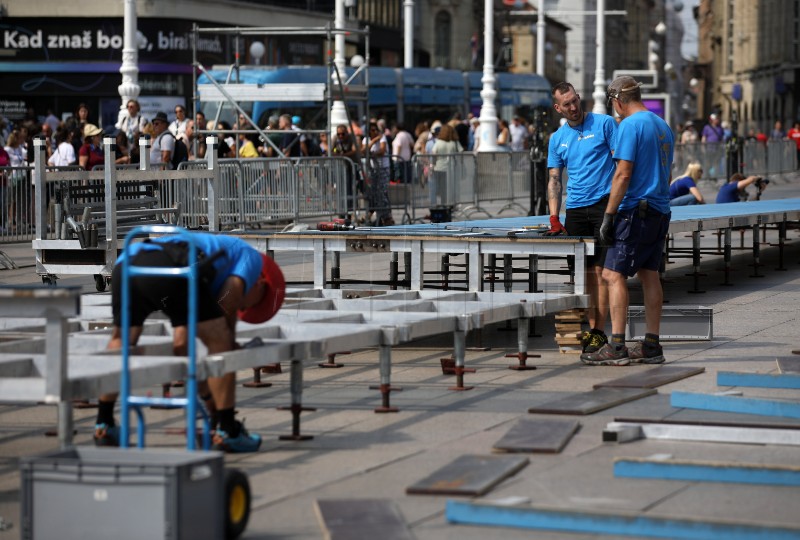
x=607 y=356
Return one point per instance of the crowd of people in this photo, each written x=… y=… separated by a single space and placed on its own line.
x=77 y=141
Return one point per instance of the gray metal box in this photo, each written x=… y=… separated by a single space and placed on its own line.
x=678 y=323
x=104 y=493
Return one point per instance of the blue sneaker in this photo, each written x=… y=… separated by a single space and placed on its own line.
x=105 y=435
x=244 y=442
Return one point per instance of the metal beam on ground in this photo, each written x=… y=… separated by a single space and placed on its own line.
x=762 y=407
x=608 y=523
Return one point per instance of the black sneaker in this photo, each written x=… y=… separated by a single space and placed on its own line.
x=646 y=353
x=607 y=356
x=592 y=340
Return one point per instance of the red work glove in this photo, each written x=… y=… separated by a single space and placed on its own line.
x=556 y=228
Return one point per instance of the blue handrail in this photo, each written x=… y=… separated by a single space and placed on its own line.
x=190 y=402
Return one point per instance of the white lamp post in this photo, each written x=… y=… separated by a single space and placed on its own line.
x=488 y=118
x=408 y=43
x=338 y=112
x=599 y=94
x=129 y=89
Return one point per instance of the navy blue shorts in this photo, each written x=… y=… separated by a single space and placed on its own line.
x=586 y=221
x=638 y=242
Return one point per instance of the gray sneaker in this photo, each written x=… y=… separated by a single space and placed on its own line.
x=640 y=353
x=606 y=356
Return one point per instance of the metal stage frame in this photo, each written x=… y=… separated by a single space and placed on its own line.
x=49 y=363
x=521 y=236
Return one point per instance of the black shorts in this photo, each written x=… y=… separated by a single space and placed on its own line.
x=586 y=221
x=159 y=293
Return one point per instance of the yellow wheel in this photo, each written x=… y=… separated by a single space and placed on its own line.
x=237 y=503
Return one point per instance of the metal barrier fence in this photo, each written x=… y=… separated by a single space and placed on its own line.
x=17 y=197
x=770 y=158
x=258 y=191
x=467 y=182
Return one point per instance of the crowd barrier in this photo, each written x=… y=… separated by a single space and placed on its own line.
x=763 y=159
x=253 y=192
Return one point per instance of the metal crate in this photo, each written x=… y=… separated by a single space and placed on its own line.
x=90 y=493
x=678 y=323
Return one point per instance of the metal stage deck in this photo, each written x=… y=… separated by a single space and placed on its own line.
x=58 y=365
x=520 y=236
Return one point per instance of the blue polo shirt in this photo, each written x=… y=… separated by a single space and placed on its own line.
x=646 y=140
x=585 y=151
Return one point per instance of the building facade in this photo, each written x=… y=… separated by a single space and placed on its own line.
x=752 y=57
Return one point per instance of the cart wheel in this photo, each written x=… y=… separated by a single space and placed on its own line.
x=99 y=283
x=49 y=280
x=237 y=503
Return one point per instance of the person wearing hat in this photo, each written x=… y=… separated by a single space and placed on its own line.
x=90 y=153
x=713 y=132
x=163 y=141
x=689 y=135
x=236 y=283
x=635 y=223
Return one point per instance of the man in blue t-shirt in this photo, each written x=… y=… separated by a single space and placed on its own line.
x=731 y=191
x=636 y=222
x=584 y=145
x=235 y=282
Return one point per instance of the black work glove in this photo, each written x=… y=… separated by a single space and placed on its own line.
x=556 y=228
x=607 y=230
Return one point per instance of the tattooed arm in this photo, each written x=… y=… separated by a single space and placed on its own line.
x=554 y=191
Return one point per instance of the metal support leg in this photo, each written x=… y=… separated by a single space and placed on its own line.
x=66 y=425
x=385 y=352
x=336 y=271
x=508 y=273
x=459 y=352
x=696 y=274
x=492 y=266
x=394 y=268
x=331 y=361
x=407 y=268
x=522 y=347
x=781 y=244
x=756 y=253
x=296 y=389
x=727 y=258
x=257 y=382
x=445 y=272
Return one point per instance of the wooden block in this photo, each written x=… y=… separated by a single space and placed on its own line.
x=354 y=519
x=651 y=378
x=543 y=435
x=469 y=475
x=592 y=402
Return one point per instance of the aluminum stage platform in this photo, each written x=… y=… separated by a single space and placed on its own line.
x=55 y=363
x=519 y=236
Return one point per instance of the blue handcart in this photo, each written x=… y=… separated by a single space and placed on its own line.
x=237 y=487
